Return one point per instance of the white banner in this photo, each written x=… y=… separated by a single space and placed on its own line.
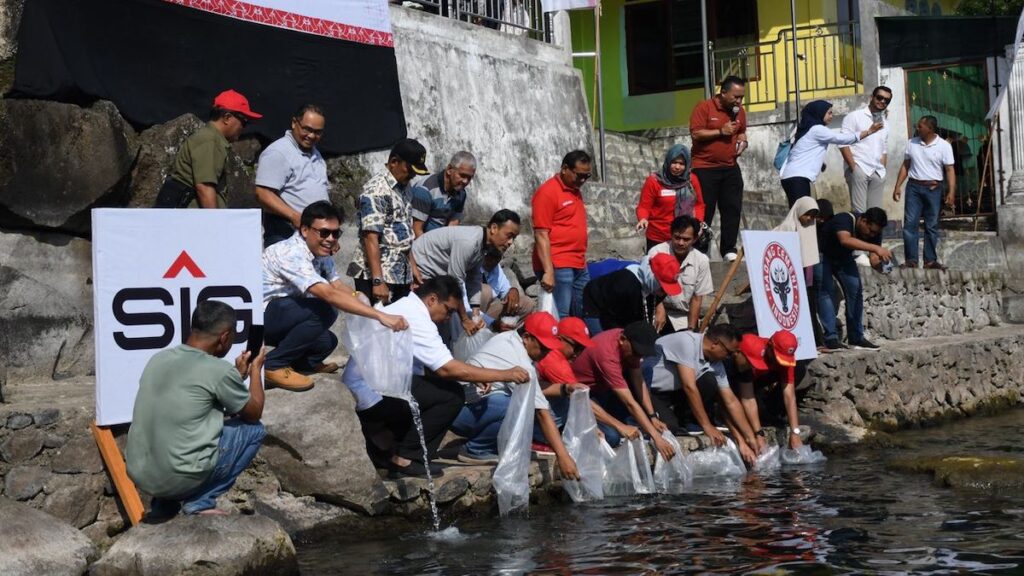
x=151 y=267
x=556 y=5
x=777 y=287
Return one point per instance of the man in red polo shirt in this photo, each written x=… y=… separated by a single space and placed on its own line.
x=560 y=234
x=718 y=128
x=770 y=361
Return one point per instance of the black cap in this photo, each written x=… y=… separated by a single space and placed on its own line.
x=412 y=152
x=641 y=336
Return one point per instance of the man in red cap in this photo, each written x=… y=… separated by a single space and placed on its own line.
x=618 y=299
x=197 y=176
x=481 y=418
x=769 y=362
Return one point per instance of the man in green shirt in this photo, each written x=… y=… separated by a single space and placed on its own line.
x=181 y=450
x=197 y=176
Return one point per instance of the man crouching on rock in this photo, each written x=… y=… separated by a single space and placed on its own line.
x=181 y=449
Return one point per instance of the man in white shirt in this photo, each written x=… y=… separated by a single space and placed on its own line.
x=392 y=441
x=682 y=311
x=865 y=160
x=927 y=159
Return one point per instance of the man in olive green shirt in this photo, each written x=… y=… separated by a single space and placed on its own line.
x=197 y=176
x=181 y=450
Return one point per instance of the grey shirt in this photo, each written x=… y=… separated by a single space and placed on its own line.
x=686 y=348
x=433 y=205
x=453 y=250
x=298 y=177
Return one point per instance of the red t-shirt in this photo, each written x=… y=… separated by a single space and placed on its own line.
x=785 y=374
x=560 y=210
x=600 y=366
x=720 y=152
x=658 y=206
x=553 y=368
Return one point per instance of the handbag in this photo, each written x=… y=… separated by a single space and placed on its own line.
x=783 y=150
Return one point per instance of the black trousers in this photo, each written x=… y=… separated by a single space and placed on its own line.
x=388 y=425
x=674 y=407
x=397 y=290
x=722 y=188
x=796 y=188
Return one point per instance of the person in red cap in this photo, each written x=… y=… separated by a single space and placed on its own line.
x=481 y=418
x=197 y=176
x=769 y=362
x=618 y=299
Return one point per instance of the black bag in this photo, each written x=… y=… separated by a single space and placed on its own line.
x=174 y=194
x=704 y=236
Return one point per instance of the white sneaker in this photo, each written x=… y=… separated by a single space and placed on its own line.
x=863 y=260
x=729 y=257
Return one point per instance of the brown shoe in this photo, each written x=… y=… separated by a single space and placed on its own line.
x=329 y=368
x=288 y=379
x=908 y=265
x=934 y=266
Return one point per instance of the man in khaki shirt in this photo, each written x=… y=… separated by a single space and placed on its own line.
x=682 y=312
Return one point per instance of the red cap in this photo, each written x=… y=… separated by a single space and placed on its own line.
x=752 y=346
x=544 y=328
x=784 y=344
x=666 y=268
x=575 y=329
x=235 y=102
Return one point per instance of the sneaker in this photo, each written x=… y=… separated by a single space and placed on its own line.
x=863 y=260
x=541 y=448
x=477 y=459
x=288 y=379
x=328 y=368
x=833 y=345
x=864 y=344
x=908 y=265
x=729 y=257
x=693 y=429
x=414 y=469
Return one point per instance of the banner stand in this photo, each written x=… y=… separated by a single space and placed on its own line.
x=114 y=461
x=713 y=311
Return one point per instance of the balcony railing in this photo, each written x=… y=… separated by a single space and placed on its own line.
x=828 y=60
x=518 y=17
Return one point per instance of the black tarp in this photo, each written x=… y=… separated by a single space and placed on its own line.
x=909 y=40
x=156 y=60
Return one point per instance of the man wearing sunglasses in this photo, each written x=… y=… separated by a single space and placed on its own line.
x=865 y=160
x=291 y=175
x=198 y=178
x=301 y=296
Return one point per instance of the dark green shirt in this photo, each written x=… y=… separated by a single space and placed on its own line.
x=201 y=159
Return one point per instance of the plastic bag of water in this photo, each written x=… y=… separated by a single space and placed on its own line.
x=546 y=303
x=512 y=475
x=584 y=445
x=768 y=460
x=801 y=456
x=629 y=471
x=717 y=461
x=384 y=357
x=468 y=345
x=671 y=476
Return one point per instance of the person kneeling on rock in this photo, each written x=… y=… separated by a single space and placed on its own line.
x=181 y=450
x=393 y=442
x=769 y=363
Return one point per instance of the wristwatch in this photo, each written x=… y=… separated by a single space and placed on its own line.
x=795 y=430
x=377 y=281
x=760 y=433
x=654 y=415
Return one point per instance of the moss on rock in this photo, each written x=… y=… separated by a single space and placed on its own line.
x=984 y=472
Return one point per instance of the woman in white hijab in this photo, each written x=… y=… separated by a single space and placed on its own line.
x=802 y=219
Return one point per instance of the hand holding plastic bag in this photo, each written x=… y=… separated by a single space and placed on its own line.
x=801 y=456
x=512 y=475
x=768 y=460
x=717 y=461
x=467 y=345
x=546 y=303
x=671 y=476
x=384 y=357
x=629 y=471
x=584 y=445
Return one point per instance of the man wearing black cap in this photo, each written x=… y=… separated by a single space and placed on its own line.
x=383 y=269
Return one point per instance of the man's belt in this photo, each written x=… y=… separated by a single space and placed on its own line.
x=929 y=184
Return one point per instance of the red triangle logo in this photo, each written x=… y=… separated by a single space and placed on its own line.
x=184 y=261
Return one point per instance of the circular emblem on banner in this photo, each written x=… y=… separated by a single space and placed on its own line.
x=780 y=285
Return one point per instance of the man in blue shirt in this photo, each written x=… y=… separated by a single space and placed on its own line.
x=440 y=199
x=499 y=298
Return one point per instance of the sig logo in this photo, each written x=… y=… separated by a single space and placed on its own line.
x=164 y=306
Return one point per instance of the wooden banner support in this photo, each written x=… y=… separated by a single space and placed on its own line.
x=112 y=457
x=713 y=311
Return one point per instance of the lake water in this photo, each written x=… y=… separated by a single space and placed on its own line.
x=849 y=516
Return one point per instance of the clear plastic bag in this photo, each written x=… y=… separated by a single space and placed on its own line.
x=801 y=456
x=584 y=445
x=384 y=356
x=671 y=476
x=512 y=475
x=629 y=471
x=546 y=303
x=468 y=345
x=768 y=460
x=717 y=461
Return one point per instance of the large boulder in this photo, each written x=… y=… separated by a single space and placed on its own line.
x=232 y=545
x=34 y=543
x=10 y=17
x=59 y=160
x=157 y=148
x=315 y=447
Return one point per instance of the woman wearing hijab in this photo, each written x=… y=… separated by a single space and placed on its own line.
x=672 y=191
x=618 y=299
x=810 y=143
x=803 y=219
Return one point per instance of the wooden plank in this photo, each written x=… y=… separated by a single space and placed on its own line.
x=721 y=291
x=118 y=472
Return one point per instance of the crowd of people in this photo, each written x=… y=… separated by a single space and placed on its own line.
x=631 y=336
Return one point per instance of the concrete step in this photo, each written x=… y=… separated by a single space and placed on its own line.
x=961 y=250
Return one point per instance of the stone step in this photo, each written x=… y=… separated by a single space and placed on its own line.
x=961 y=250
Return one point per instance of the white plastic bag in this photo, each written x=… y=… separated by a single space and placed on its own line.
x=802 y=455
x=384 y=356
x=768 y=460
x=468 y=345
x=512 y=475
x=629 y=471
x=546 y=303
x=671 y=476
x=584 y=445
x=717 y=461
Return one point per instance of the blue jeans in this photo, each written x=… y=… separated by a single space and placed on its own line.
x=921 y=202
x=479 y=422
x=568 y=292
x=849 y=275
x=239 y=442
x=593 y=325
x=609 y=401
x=300 y=328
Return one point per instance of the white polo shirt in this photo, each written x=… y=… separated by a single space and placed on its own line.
x=695 y=279
x=428 y=350
x=928 y=160
x=867 y=153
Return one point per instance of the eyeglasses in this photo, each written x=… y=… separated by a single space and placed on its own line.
x=310 y=131
x=449 y=309
x=325 y=232
x=881 y=98
x=581 y=176
x=241 y=119
x=731 y=351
